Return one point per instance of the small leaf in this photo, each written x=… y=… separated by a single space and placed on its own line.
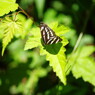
x=6 y=6
x=55 y=53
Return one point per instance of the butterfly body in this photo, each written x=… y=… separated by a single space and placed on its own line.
x=48 y=35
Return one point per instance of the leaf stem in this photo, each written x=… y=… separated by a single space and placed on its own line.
x=26 y=13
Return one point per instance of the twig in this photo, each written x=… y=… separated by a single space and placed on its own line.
x=26 y=13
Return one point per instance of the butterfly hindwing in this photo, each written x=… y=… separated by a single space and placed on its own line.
x=48 y=35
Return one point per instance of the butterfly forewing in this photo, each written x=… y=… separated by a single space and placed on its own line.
x=48 y=35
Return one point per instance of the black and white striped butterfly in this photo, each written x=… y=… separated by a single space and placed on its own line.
x=48 y=35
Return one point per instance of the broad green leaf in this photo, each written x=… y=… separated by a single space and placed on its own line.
x=83 y=64
x=10 y=28
x=85 y=68
x=6 y=6
x=55 y=53
x=56 y=56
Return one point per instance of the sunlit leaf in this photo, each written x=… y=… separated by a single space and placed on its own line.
x=83 y=64
x=10 y=28
x=56 y=56
x=33 y=41
x=55 y=53
x=6 y=6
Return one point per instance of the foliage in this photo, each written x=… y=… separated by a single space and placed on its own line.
x=10 y=28
x=54 y=53
x=28 y=66
x=6 y=6
x=14 y=26
x=84 y=65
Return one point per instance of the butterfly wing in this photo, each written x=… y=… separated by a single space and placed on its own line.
x=48 y=35
x=46 y=32
x=54 y=40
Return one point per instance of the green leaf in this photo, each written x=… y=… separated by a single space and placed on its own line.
x=11 y=27
x=87 y=39
x=56 y=56
x=60 y=30
x=33 y=41
x=85 y=68
x=87 y=51
x=83 y=65
x=55 y=53
x=6 y=6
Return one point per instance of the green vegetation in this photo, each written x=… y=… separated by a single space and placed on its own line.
x=28 y=66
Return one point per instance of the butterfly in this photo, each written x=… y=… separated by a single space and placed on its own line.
x=48 y=35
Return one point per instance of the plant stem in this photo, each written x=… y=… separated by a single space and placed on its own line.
x=26 y=13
